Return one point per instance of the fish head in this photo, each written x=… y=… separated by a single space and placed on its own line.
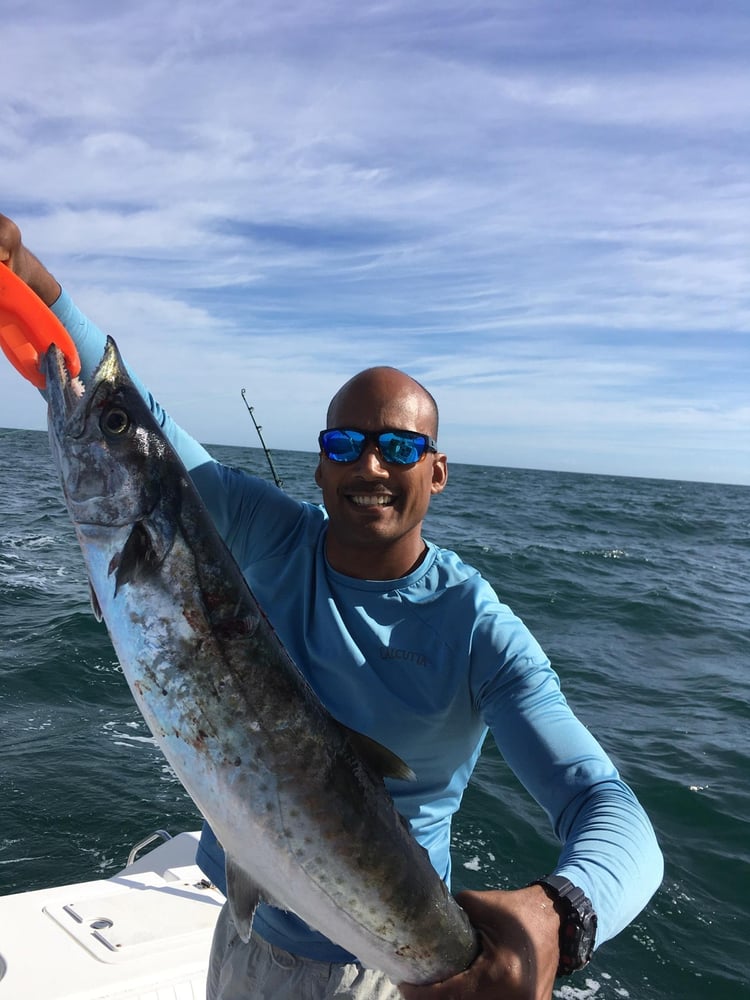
x=103 y=441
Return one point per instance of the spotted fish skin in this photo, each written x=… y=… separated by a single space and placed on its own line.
x=296 y=800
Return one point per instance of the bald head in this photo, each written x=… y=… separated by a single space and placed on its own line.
x=378 y=395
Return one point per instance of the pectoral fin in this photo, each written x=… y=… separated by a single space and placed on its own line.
x=243 y=896
x=144 y=551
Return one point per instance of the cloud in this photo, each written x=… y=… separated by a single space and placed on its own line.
x=538 y=209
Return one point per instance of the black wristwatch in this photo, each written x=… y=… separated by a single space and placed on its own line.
x=577 y=922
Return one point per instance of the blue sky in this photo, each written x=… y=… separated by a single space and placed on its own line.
x=539 y=209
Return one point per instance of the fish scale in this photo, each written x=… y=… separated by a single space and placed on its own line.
x=296 y=800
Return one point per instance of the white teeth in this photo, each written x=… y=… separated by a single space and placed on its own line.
x=377 y=500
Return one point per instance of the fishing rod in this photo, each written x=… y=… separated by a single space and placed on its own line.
x=279 y=482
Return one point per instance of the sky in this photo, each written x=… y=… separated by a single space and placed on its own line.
x=540 y=209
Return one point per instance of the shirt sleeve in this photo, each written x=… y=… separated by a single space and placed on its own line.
x=609 y=848
x=90 y=343
x=255 y=518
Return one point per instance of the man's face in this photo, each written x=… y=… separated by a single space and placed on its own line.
x=376 y=509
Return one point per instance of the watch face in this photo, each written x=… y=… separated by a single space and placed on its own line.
x=577 y=926
x=586 y=937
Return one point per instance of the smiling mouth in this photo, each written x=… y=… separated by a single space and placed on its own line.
x=371 y=500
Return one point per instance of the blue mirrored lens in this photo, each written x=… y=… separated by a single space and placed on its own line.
x=342 y=446
x=400 y=449
x=396 y=447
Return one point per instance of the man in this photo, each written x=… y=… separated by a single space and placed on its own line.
x=350 y=583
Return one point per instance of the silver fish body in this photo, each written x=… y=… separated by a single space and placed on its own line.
x=295 y=799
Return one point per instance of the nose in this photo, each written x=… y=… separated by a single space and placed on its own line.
x=370 y=461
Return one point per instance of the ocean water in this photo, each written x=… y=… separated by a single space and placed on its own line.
x=638 y=590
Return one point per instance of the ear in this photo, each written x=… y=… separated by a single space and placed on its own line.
x=318 y=474
x=439 y=473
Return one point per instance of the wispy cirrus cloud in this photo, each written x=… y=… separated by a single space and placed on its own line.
x=538 y=209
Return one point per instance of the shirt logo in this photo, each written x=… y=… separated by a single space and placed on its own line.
x=406 y=655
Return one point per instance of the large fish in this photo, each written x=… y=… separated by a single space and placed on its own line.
x=296 y=799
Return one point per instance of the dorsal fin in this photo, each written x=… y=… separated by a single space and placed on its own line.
x=382 y=760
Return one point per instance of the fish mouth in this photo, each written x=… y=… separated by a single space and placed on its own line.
x=69 y=401
x=63 y=392
x=98 y=441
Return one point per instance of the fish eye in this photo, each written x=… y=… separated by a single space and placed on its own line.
x=114 y=421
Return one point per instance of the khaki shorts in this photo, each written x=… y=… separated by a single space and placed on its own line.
x=259 y=971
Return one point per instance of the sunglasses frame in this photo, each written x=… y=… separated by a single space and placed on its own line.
x=373 y=437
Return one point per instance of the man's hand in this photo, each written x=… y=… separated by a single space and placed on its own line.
x=519 y=933
x=23 y=263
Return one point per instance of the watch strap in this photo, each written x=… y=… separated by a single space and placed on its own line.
x=577 y=922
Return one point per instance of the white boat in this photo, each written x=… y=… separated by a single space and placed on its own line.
x=143 y=934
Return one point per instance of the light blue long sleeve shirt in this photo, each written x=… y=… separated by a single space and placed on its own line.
x=425 y=664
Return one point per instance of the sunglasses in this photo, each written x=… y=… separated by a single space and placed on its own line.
x=343 y=444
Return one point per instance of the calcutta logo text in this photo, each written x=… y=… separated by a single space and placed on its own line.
x=408 y=655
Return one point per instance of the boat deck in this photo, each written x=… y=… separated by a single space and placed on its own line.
x=143 y=934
